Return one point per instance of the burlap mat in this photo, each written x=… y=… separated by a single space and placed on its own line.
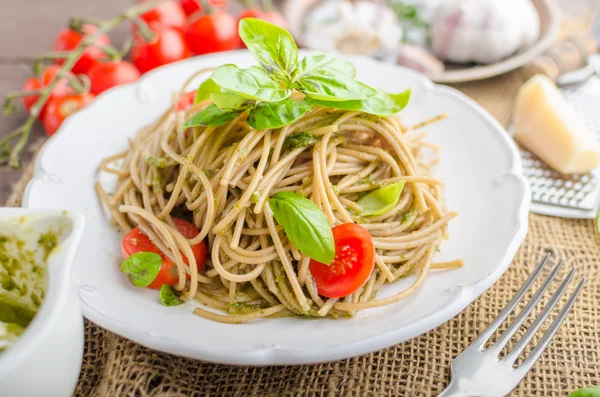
x=114 y=366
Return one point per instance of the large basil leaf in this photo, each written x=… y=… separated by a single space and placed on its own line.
x=272 y=47
x=586 y=392
x=142 y=268
x=382 y=200
x=277 y=114
x=324 y=65
x=305 y=225
x=207 y=88
x=212 y=116
x=381 y=104
x=333 y=88
x=251 y=83
x=226 y=101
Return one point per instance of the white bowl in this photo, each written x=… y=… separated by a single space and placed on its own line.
x=46 y=359
x=479 y=163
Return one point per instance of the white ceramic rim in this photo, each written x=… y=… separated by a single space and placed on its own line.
x=59 y=285
x=274 y=355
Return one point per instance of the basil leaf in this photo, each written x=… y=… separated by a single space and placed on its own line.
x=381 y=104
x=305 y=225
x=277 y=114
x=333 y=88
x=251 y=83
x=299 y=140
x=324 y=65
x=226 y=101
x=273 y=47
x=212 y=116
x=382 y=200
x=207 y=88
x=142 y=268
x=168 y=296
x=586 y=392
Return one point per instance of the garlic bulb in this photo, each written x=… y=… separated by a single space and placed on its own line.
x=360 y=27
x=483 y=31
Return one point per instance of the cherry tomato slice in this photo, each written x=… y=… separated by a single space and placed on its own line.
x=213 y=33
x=69 y=39
x=169 y=46
x=136 y=241
x=106 y=75
x=353 y=263
x=185 y=101
x=168 y=13
x=59 y=108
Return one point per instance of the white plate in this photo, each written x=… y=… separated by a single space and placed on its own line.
x=480 y=166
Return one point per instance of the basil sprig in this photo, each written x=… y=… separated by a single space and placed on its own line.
x=305 y=225
x=382 y=200
x=142 y=268
x=264 y=90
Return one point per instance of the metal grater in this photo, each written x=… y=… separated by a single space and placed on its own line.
x=572 y=196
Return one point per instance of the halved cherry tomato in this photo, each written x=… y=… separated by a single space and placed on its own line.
x=69 y=39
x=272 y=16
x=34 y=83
x=169 y=46
x=213 y=33
x=59 y=108
x=185 y=101
x=354 y=261
x=168 y=13
x=136 y=241
x=106 y=75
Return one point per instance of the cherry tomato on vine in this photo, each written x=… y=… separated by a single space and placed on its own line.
x=106 y=75
x=68 y=39
x=136 y=241
x=168 y=46
x=185 y=101
x=35 y=83
x=59 y=108
x=353 y=263
x=194 y=6
x=213 y=33
x=168 y=13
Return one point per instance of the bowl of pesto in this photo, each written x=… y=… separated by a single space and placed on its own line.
x=41 y=326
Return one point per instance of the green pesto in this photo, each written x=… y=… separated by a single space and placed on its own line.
x=299 y=140
x=48 y=241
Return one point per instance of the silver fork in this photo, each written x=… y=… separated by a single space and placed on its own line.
x=479 y=372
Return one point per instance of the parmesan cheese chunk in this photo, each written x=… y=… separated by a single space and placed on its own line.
x=546 y=124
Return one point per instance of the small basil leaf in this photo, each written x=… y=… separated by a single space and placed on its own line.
x=299 y=140
x=251 y=83
x=324 y=65
x=381 y=104
x=273 y=47
x=142 y=268
x=305 y=225
x=212 y=116
x=382 y=200
x=207 y=88
x=226 y=101
x=168 y=296
x=333 y=88
x=277 y=114
x=586 y=392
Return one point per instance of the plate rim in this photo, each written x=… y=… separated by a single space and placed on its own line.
x=274 y=355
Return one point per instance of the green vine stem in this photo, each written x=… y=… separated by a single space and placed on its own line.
x=9 y=152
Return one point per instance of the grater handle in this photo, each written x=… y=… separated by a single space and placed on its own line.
x=565 y=56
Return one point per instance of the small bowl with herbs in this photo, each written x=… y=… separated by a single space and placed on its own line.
x=41 y=326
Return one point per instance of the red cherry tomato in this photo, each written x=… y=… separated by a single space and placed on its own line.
x=34 y=83
x=68 y=39
x=169 y=46
x=213 y=33
x=185 y=101
x=272 y=16
x=168 y=13
x=106 y=75
x=136 y=241
x=59 y=108
x=354 y=261
x=190 y=6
